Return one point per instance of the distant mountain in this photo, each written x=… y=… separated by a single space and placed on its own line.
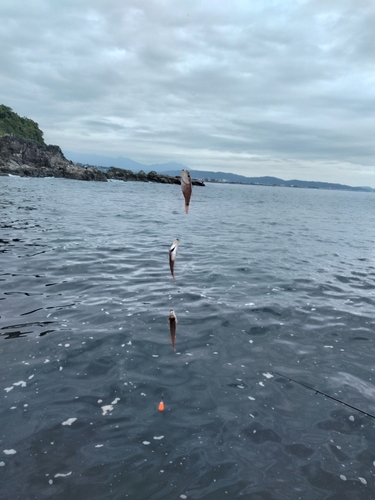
x=167 y=167
x=173 y=168
x=266 y=181
x=121 y=162
x=105 y=161
x=226 y=177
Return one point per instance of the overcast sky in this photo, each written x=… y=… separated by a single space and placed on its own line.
x=255 y=87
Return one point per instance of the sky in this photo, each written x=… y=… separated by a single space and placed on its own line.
x=254 y=87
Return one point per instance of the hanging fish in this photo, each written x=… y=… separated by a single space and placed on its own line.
x=186 y=187
x=172 y=327
x=173 y=255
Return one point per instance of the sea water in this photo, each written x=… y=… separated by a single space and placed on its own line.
x=270 y=281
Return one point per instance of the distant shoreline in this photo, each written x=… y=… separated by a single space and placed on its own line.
x=25 y=158
x=286 y=185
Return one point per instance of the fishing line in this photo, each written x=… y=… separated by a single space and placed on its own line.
x=172 y=319
x=324 y=394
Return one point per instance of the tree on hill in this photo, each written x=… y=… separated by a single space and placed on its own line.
x=11 y=123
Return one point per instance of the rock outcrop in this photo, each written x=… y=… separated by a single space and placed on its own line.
x=127 y=175
x=121 y=174
x=28 y=159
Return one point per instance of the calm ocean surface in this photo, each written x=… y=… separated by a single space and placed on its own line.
x=268 y=280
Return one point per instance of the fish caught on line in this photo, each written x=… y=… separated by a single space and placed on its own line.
x=172 y=256
x=172 y=327
x=186 y=186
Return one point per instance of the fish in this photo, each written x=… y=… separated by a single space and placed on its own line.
x=186 y=187
x=172 y=326
x=172 y=256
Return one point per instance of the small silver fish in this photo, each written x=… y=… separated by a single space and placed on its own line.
x=172 y=326
x=172 y=256
x=186 y=187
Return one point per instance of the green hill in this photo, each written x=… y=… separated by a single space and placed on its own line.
x=11 y=123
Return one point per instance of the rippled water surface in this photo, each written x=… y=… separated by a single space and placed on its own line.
x=268 y=280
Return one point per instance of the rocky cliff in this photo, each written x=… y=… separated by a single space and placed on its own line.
x=28 y=159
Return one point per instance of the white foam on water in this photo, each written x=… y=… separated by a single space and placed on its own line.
x=106 y=409
x=261 y=383
x=59 y=474
x=10 y=452
x=268 y=375
x=2 y=464
x=158 y=437
x=115 y=401
x=251 y=398
x=8 y=389
x=363 y=480
x=69 y=422
x=343 y=477
x=31 y=376
x=99 y=445
x=146 y=443
x=21 y=383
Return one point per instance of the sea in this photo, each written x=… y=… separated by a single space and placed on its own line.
x=269 y=391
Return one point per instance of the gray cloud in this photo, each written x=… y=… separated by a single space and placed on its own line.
x=261 y=87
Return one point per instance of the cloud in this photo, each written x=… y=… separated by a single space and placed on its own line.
x=288 y=83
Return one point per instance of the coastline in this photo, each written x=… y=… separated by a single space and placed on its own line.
x=25 y=158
